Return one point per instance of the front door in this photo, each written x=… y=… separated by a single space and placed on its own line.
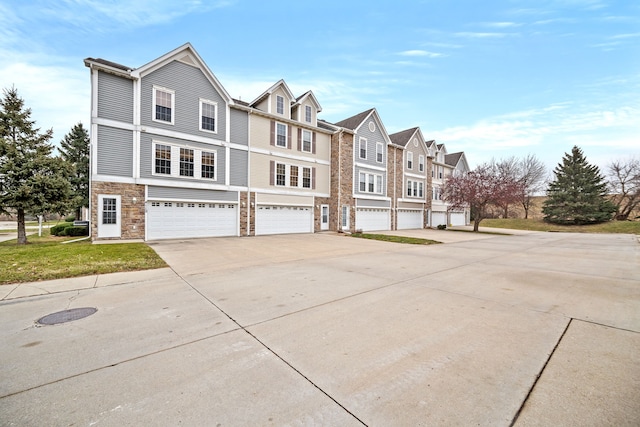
x=324 y=219
x=108 y=215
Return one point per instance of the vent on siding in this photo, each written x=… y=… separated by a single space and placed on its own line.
x=187 y=59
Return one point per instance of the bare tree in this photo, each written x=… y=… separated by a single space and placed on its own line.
x=533 y=175
x=479 y=189
x=509 y=170
x=624 y=186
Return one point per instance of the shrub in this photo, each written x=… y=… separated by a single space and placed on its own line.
x=442 y=227
x=57 y=230
x=75 y=230
x=70 y=218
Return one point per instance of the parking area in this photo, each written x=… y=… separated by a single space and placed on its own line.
x=325 y=329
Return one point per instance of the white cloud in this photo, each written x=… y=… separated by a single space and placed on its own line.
x=480 y=35
x=420 y=53
x=502 y=24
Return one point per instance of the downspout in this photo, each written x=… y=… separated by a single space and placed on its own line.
x=339 y=207
x=395 y=201
x=248 y=174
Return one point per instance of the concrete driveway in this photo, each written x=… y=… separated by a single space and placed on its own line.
x=324 y=329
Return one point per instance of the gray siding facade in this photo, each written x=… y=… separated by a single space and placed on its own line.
x=115 y=97
x=172 y=193
x=115 y=152
x=190 y=85
x=356 y=184
x=239 y=160
x=372 y=138
x=147 y=158
x=239 y=131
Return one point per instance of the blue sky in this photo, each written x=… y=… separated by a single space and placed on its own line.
x=491 y=78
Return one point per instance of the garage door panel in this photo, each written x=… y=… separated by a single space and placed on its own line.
x=284 y=220
x=438 y=218
x=458 y=218
x=170 y=220
x=408 y=219
x=370 y=219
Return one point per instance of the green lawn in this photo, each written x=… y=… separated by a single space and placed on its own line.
x=395 y=239
x=627 y=227
x=46 y=258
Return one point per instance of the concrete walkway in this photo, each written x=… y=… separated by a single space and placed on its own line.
x=324 y=329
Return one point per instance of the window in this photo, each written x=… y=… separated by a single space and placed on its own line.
x=109 y=213
x=186 y=162
x=433 y=173
x=409 y=160
x=279 y=104
x=163 y=99
x=409 y=188
x=420 y=189
x=293 y=176
x=281 y=135
x=415 y=189
x=307 y=113
x=363 y=148
x=306 y=141
x=163 y=159
x=421 y=163
x=379 y=184
x=306 y=177
x=371 y=184
x=208 y=165
x=440 y=171
x=363 y=182
x=208 y=115
x=345 y=216
x=281 y=174
x=379 y=147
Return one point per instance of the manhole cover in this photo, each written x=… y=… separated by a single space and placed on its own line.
x=66 y=316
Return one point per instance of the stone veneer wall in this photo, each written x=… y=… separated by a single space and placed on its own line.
x=252 y=214
x=131 y=213
x=394 y=181
x=245 y=209
x=341 y=180
x=428 y=192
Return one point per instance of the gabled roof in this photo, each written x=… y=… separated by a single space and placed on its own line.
x=308 y=95
x=280 y=83
x=188 y=55
x=455 y=159
x=403 y=137
x=353 y=122
x=109 y=64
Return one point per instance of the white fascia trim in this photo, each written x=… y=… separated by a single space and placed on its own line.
x=422 y=201
x=198 y=185
x=177 y=199
x=290 y=156
x=185 y=136
x=381 y=198
x=413 y=175
x=115 y=124
x=284 y=192
x=112 y=178
x=258 y=203
x=373 y=168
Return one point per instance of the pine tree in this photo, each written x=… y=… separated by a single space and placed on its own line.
x=31 y=181
x=74 y=149
x=578 y=193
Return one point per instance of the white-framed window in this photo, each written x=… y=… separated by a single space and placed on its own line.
x=208 y=169
x=409 y=188
x=421 y=189
x=109 y=210
x=186 y=162
x=362 y=148
x=293 y=176
x=189 y=162
x=208 y=114
x=163 y=105
x=306 y=140
x=307 y=113
x=345 y=216
x=433 y=171
x=379 y=155
x=440 y=171
x=163 y=159
x=370 y=183
x=279 y=104
x=281 y=174
x=421 y=163
x=306 y=177
x=415 y=189
x=409 y=160
x=281 y=135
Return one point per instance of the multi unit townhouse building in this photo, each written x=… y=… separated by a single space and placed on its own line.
x=173 y=155
x=444 y=165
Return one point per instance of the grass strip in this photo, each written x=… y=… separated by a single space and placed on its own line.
x=395 y=239
x=45 y=258
x=623 y=227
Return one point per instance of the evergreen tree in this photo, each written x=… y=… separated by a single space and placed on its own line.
x=578 y=195
x=31 y=181
x=74 y=149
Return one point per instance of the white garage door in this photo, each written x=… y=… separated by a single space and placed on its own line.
x=457 y=218
x=284 y=219
x=172 y=220
x=408 y=219
x=370 y=219
x=438 y=218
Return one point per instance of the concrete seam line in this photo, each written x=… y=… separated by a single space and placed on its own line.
x=606 y=326
x=535 y=382
x=270 y=350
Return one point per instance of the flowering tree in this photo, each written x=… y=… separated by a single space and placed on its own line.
x=483 y=187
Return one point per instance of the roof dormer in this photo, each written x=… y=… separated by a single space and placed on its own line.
x=276 y=100
x=305 y=109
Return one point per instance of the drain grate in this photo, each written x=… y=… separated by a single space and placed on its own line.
x=66 y=316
